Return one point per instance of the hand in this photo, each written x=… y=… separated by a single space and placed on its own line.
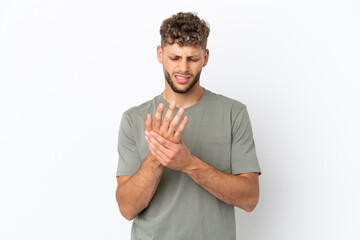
x=172 y=155
x=167 y=129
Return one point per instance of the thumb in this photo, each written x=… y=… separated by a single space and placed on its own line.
x=148 y=123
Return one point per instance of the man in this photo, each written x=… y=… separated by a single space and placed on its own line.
x=180 y=177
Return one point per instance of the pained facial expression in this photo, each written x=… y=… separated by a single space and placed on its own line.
x=182 y=65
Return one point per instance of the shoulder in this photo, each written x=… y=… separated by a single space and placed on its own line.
x=224 y=102
x=140 y=111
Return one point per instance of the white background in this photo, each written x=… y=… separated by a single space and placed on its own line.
x=68 y=70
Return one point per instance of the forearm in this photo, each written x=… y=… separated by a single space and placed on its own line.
x=237 y=190
x=135 y=194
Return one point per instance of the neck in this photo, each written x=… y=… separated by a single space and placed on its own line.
x=184 y=100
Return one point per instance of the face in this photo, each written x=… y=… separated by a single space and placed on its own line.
x=182 y=66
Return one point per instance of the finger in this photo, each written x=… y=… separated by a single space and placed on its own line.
x=155 y=152
x=167 y=118
x=162 y=161
x=158 y=146
x=148 y=123
x=163 y=142
x=175 y=122
x=158 y=117
x=158 y=155
x=180 y=129
x=146 y=136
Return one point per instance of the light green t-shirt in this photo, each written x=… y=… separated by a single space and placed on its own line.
x=218 y=132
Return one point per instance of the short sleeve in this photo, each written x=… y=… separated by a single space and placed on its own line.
x=243 y=153
x=129 y=160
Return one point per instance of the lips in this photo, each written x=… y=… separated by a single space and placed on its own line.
x=182 y=79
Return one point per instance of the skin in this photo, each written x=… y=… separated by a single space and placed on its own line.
x=185 y=61
x=134 y=193
x=166 y=148
x=238 y=190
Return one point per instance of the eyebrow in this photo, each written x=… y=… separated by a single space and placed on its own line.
x=191 y=56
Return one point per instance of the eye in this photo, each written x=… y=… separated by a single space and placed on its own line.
x=174 y=58
x=194 y=59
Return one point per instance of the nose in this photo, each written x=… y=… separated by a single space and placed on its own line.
x=184 y=66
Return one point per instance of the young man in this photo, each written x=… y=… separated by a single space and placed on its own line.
x=181 y=176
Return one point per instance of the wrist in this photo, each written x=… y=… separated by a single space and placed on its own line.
x=192 y=166
x=153 y=162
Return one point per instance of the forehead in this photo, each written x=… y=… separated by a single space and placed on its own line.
x=175 y=49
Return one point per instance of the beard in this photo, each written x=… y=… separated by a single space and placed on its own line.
x=176 y=89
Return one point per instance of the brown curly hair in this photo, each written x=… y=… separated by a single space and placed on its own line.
x=185 y=29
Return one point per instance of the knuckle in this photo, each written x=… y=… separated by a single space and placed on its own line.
x=167 y=118
x=177 y=150
x=173 y=125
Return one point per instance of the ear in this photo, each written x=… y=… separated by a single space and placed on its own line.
x=159 y=51
x=206 y=57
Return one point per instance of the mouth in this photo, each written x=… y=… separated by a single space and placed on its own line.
x=182 y=79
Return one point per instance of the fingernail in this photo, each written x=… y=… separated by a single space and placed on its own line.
x=181 y=110
x=173 y=104
x=146 y=133
x=152 y=133
x=146 y=138
x=161 y=106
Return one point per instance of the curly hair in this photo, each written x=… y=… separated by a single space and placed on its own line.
x=185 y=29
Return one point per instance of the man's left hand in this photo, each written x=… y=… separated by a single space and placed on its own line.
x=172 y=155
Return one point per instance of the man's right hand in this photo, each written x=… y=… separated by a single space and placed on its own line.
x=168 y=128
x=134 y=193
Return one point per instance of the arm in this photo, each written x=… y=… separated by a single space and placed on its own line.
x=134 y=193
x=239 y=190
